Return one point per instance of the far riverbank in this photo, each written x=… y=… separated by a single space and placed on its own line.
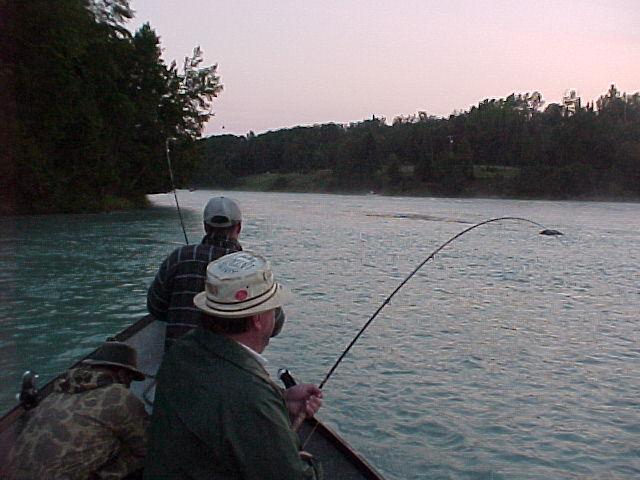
x=107 y=204
x=322 y=181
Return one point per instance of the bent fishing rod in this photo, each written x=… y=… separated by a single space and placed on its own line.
x=289 y=381
x=544 y=231
x=166 y=145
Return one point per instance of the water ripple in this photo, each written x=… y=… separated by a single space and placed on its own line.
x=510 y=355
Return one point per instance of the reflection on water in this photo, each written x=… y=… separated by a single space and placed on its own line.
x=510 y=355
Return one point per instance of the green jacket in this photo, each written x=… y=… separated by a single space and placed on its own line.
x=218 y=415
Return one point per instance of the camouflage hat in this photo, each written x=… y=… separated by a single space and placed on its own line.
x=116 y=354
x=239 y=285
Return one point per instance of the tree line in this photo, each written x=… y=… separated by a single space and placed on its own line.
x=88 y=107
x=505 y=147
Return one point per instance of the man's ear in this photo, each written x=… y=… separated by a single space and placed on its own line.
x=238 y=228
x=257 y=321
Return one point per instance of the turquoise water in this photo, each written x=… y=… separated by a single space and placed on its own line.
x=511 y=355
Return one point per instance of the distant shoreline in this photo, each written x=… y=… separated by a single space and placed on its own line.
x=602 y=199
x=314 y=183
x=110 y=204
x=251 y=186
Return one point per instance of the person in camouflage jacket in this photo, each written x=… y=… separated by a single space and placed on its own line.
x=91 y=427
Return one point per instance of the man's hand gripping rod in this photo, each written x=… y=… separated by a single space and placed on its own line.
x=285 y=376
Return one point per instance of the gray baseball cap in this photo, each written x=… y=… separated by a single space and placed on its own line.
x=222 y=212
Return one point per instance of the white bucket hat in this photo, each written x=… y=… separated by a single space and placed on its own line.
x=239 y=285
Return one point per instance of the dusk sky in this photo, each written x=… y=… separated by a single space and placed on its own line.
x=285 y=63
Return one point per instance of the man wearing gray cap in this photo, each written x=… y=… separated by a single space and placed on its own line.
x=217 y=413
x=182 y=274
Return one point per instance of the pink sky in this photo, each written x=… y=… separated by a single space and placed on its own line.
x=285 y=63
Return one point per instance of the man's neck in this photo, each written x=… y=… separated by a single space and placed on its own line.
x=249 y=341
x=260 y=358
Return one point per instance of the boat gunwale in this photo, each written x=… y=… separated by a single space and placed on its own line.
x=8 y=419
x=345 y=448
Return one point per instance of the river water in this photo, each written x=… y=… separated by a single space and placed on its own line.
x=510 y=355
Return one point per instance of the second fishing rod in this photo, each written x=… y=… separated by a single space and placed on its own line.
x=173 y=186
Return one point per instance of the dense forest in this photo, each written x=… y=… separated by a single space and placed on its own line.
x=510 y=147
x=90 y=108
x=87 y=107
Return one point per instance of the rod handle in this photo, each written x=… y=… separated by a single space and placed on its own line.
x=285 y=376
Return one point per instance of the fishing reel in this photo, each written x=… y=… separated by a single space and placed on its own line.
x=285 y=376
x=28 y=395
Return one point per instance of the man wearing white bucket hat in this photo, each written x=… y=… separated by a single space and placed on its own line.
x=217 y=413
x=182 y=274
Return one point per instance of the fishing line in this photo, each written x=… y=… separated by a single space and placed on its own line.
x=174 y=188
x=544 y=231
